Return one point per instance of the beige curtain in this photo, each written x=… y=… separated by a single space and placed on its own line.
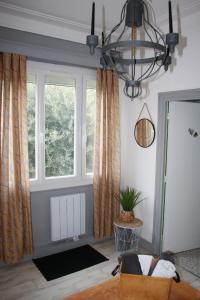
x=15 y=215
x=107 y=154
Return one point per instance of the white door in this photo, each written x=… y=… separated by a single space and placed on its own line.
x=182 y=193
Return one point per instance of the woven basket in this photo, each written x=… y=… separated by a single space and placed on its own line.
x=127 y=216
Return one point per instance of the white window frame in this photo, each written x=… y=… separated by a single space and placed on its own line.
x=80 y=75
x=85 y=175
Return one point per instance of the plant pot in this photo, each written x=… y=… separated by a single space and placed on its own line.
x=127 y=216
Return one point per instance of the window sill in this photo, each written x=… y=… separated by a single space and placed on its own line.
x=59 y=184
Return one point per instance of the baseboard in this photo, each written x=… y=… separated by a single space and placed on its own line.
x=52 y=248
x=56 y=247
x=24 y=259
x=66 y=245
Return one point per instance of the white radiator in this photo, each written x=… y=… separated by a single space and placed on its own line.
x=67 y=216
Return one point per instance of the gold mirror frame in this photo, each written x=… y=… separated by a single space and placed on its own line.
x=144 y=133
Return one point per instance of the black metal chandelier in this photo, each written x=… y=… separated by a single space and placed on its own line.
x=132 y=58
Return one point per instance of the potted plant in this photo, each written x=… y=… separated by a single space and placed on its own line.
x=129 y=199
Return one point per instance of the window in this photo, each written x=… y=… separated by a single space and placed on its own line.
x=60 y=99
x=61 y=122
x=90 y=123
x=31 y=95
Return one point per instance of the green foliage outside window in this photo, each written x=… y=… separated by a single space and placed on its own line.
x=59 y=130
x=31 y=90
x=90 y=127
x=59 y=123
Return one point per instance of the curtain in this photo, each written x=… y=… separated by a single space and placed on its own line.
x=106 y=183
x=15 y=214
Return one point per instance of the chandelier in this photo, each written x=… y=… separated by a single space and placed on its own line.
x=135 y=48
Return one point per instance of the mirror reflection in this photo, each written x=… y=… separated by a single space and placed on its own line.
x=144 y=133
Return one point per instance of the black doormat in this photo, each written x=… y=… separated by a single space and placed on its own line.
x=67 y=262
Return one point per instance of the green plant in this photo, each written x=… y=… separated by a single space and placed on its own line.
x=129 y=198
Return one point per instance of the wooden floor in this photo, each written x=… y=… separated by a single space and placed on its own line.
x=25 y=282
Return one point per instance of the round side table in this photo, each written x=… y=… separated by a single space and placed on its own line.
x=127 y=234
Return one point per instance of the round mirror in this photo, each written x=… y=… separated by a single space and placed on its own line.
x=144 y=133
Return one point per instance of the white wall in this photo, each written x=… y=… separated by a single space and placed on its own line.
x=138 y=164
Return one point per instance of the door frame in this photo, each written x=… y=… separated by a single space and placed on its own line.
x=163 y=103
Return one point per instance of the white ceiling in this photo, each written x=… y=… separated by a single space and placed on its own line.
x=79 y=11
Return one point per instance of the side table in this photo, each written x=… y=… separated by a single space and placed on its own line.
x=127 y=234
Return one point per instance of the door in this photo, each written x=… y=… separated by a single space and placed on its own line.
x=182 y=191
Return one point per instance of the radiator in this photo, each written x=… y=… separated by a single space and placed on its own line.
x=67 y=216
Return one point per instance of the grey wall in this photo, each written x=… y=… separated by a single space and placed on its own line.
x=53 y=50
x=40 y=206
x=47 y=49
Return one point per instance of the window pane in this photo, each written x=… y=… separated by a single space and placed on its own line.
x=31 y=100
x=59 y=96
x=90 y=123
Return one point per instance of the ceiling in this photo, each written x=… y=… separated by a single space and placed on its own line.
x=79 y=11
